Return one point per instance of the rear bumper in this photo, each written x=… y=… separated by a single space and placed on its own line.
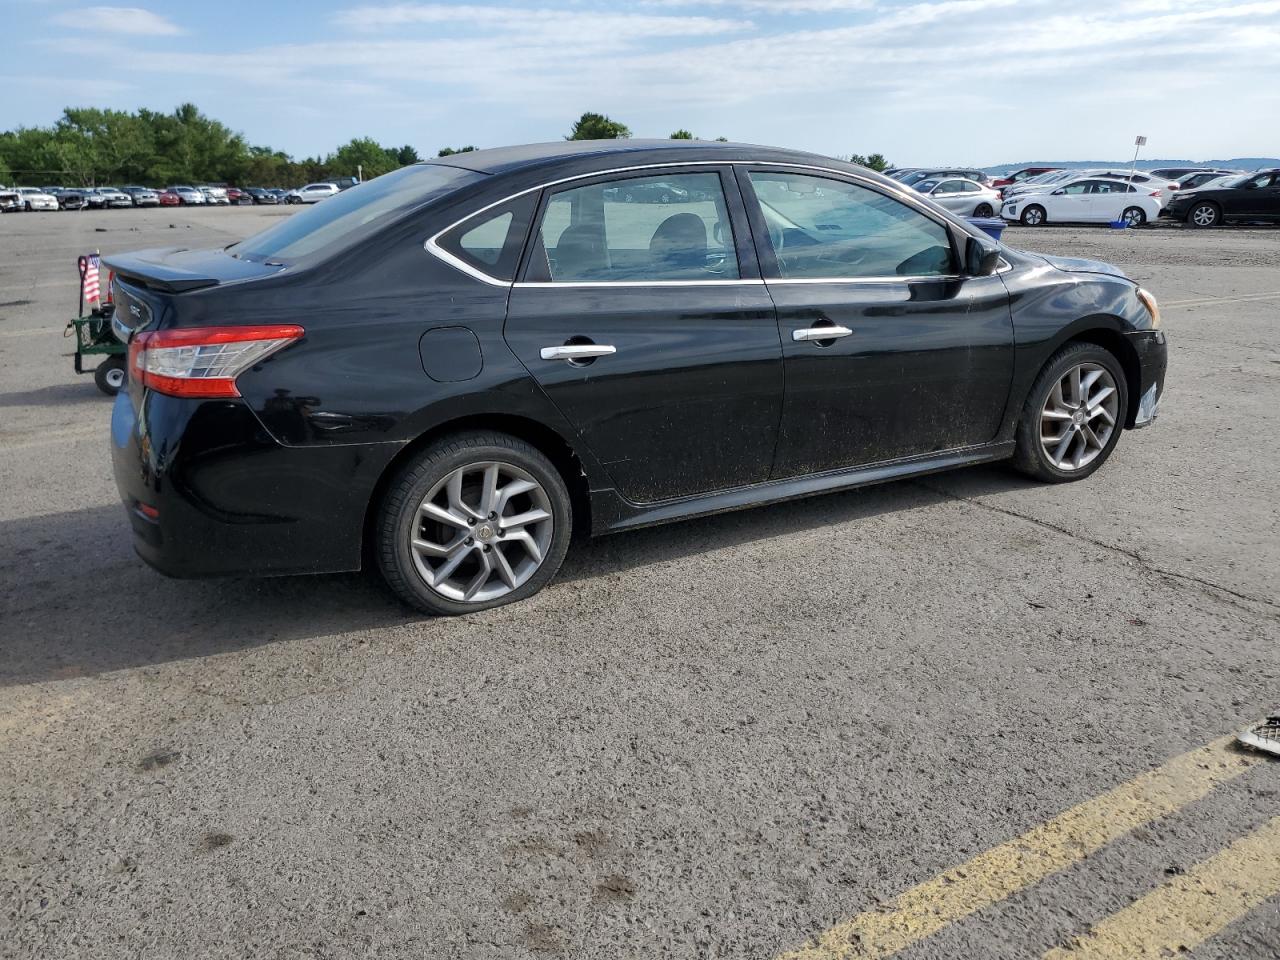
x=208 y=492
x=1152 y=348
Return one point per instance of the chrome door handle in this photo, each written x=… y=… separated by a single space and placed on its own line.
x=577 y=351
x=820 y=333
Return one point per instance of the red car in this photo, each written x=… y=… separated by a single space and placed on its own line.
x=1019 y=175
x=236 y=195
x=170 y=199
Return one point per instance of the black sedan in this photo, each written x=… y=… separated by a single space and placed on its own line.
x=260 y=195
x=449 y=369
x=1250 y=196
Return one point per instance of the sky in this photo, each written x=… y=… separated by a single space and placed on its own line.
x=956 y=81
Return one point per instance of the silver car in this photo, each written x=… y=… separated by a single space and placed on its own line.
x=968 y=198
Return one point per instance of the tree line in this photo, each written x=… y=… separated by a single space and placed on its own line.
x=88 y=146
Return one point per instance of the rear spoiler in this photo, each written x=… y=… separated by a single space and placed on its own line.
x=181 y=270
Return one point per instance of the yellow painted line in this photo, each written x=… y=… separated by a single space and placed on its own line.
x=1201 y=301
x=1191 y=908
x=1002 y=871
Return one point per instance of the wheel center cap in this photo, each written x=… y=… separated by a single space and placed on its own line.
x=484 y=532
x=1078 y=417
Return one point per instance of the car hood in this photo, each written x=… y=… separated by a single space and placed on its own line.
x=1079 y=265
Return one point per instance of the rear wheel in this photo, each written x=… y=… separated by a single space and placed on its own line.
x=984 y=210
x=477 y=520
x=109 y=375
x=1033 y=216
x=1073 y=415
x=1204 y=215
x=1133 y=217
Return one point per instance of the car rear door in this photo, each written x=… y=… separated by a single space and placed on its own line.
x=647 y=324
x=918 y=359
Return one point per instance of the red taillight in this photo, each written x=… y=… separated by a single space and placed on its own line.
x=1155 y=193
x=205 y=361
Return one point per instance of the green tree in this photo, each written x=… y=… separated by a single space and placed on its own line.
x=363 y=154
x=450 y=151
x=596 y=126
x=875 y=162
x=407 y=155
x=682 y=134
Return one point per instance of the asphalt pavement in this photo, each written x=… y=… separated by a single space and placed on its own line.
x=934 y=719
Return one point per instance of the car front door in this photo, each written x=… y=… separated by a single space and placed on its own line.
x=918 y=358
x=949 y=194
x=1263 y=200
x=1070 y=204
x=646 y=322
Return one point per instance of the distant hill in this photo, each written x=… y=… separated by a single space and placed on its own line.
x=1237 y=163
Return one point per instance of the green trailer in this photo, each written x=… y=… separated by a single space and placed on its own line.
x=94 y=337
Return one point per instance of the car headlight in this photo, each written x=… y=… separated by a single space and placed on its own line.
x=1153 y=308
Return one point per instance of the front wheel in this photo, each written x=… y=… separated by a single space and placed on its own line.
x=1033 y=216
x=1133 y=217
x=109 y=375
x=1073 y=415
x=476 y=520
x=1204 y=215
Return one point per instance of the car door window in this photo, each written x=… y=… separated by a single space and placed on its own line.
x=636 y=230
x=949 y=186
x=821 y=228
x=491 y=241
x=1074 y=189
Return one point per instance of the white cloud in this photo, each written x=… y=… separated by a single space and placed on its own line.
x=129 y=20
x=566 y=24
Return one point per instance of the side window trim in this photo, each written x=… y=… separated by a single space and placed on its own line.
x=764 y=248
x=529 y=274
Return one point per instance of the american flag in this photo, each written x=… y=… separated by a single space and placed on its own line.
x=89 y=288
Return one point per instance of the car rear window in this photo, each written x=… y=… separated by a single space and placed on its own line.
x=352 y=214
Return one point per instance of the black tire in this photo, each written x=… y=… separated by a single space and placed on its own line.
x=110 y=375
x=1204 y=214
x=1029 y=456
x=398 y=513
x=1134 y=216
x=1030 y=219
x=984 y=210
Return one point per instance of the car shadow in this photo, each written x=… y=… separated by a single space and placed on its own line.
x=78 y=602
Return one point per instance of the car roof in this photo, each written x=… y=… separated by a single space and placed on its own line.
x=638 y=152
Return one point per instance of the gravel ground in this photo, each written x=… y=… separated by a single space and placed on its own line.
x=707 y=740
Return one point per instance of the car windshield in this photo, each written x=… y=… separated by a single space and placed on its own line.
x=347 y=216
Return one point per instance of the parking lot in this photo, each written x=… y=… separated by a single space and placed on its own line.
x=964 y=716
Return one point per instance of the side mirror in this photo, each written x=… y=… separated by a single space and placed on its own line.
x=1058 y=193
x=981 y=257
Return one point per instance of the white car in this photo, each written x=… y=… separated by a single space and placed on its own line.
x=968 y=198
x=215 y=195
x=311 y=193
x=1090 y=200
x=33 y=198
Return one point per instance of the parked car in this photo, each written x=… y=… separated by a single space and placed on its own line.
x=1042 y=182
x=215 y=196
x=10 y=200
x=189 y=196
x=558 y=360
x=968 y=198
x=260 y=195
x=281 y=196
x=1021 y=175
x=1180 y=173
x=237 y=196
x=345 y=183
x=71 y=200
x=170 y=198
x=113 y=197
x=940 y=173
x=142 y=196
x=1163 y=186
x=312 y=193
x=1199 y=179
x=1250 y=196
x=33 y=198
x=1091 y=200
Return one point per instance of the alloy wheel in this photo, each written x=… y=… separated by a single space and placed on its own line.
x=1134 y=217
x=1205 y=215
x=481 y=532
x=1079 y=416
x=1033 y=216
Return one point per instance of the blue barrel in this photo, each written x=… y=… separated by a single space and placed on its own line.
x=992 y=226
